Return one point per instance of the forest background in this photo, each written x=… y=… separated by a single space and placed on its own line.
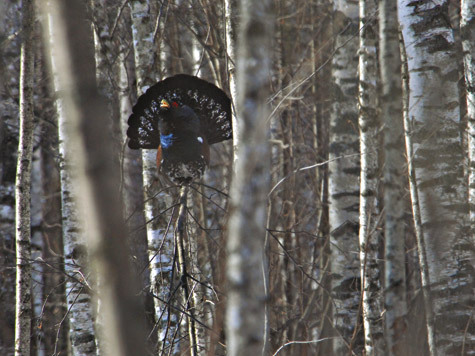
x=339 y=221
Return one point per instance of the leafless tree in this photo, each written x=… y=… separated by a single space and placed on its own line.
x=23 y=183
x=246 y=267
x=394 y=181
x=319 y=217
x=344 y=169
x=438 y=188
x=97 y=181
x=370 y=147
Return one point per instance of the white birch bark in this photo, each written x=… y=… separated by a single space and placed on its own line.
x=81 y=318
x=343 y=187
x=416 y=211
x=197 y=50
x=245 y=314
x=131 y=167
x=394 y=182
x=370 y=144
x=467 y=30
x=433 y=131
x=160 y=238
x=23 y=185
x=230 y=13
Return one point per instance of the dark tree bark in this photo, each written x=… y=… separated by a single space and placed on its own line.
x=10 y=24
x=97 y=182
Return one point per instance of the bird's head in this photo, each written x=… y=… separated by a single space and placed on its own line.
x=174 y=116
x=165 y=105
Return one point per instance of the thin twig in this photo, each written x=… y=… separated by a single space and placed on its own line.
x=303 y=342
x=180 y=246
x=310 y=167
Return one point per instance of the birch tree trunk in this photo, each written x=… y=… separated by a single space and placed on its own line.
x=230 y=13
x=131 y=168
x=81 y=318
x=467 y=30
x=433 y=131
x=416 y=211
x=245 y=314
x=370 y=144
x=193 y=273
x=394 y=182
x=23 y=185
x=343 y=187
x=160 y=238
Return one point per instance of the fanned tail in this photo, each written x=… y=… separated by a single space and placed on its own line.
x=210 y=103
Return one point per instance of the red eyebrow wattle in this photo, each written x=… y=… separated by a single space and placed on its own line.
x=175 y=104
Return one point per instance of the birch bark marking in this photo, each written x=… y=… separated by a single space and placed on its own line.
x=394 y=179
x=22 y=186
x=370 y=142
x=416 y=212
x=245 y=314
x=343 y=186
x=437 y=159
x=230 y=11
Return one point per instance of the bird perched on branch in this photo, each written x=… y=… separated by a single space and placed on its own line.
x=181 y=117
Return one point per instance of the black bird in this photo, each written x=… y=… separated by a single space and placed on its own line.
x=180 y=117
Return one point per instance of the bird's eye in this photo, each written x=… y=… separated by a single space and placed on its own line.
x=175 y=104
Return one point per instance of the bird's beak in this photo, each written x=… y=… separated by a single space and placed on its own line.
x=164 y=104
